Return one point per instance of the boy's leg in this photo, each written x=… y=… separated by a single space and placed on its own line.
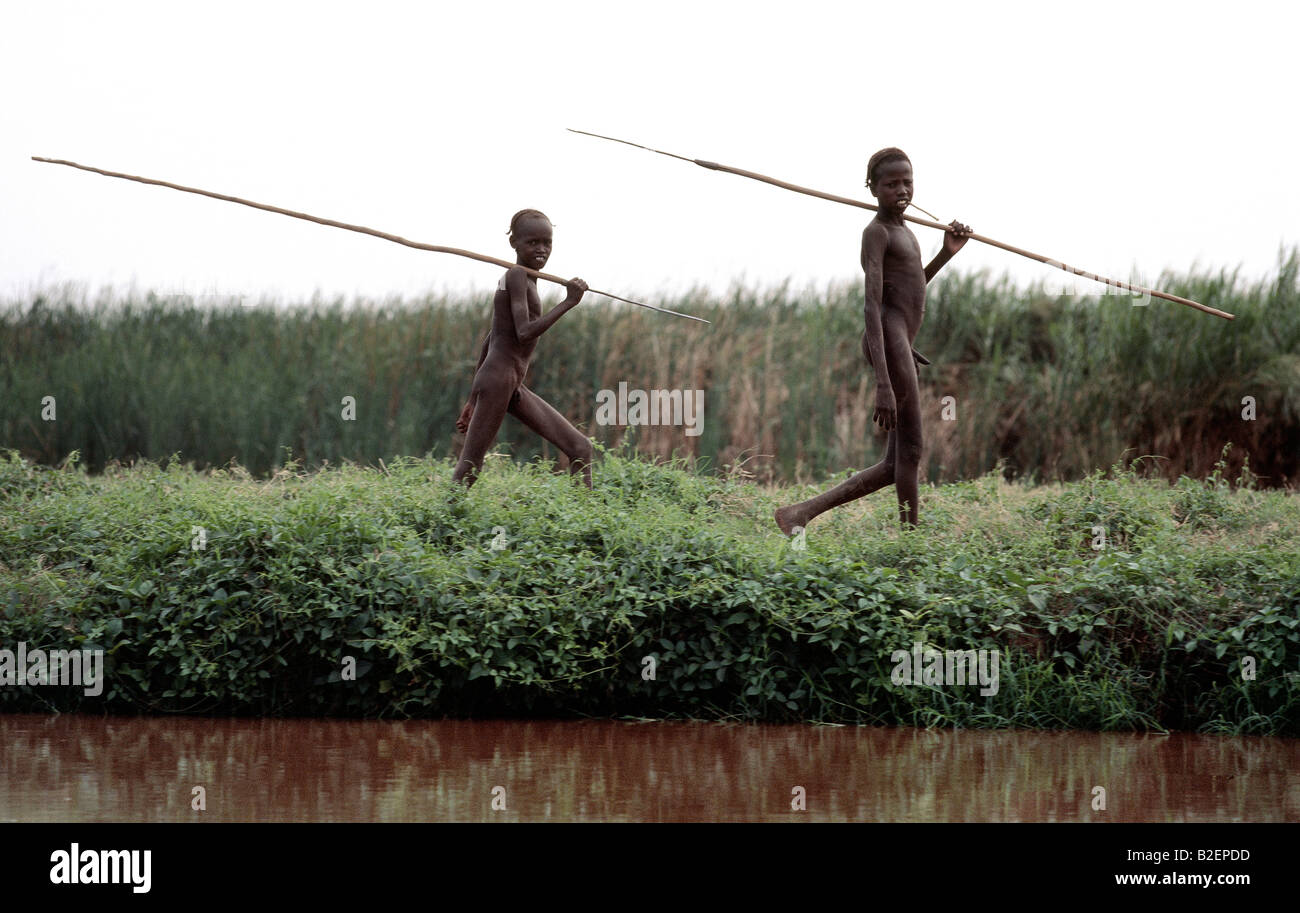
x=860 y=485
x=908 y=466
x=489 y=411
x=908 y=434
x=902 y=454
x=543 y=418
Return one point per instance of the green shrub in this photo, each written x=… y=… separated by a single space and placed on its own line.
x=397 y=569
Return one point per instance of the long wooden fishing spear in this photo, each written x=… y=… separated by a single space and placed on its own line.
x=848 y=201
x=359 y=228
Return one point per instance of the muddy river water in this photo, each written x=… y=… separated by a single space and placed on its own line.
x=78 y=768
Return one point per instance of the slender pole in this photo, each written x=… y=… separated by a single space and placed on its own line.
x=358 y=228
x=848 y=201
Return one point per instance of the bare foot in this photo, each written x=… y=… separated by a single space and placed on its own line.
x=787 y=519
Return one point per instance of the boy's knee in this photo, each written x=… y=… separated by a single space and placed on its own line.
x=908 y=454
x=581 y=451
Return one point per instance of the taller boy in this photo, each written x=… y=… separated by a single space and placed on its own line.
x=895 y=305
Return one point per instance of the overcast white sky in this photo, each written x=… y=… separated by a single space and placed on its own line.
x=1113 y=136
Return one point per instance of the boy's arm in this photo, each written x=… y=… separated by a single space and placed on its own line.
x=954 y=239
x=875 y=238
x=527 y=330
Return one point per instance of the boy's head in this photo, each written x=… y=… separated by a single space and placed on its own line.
x=522 y=216
x=530 y=236
x=888 y=154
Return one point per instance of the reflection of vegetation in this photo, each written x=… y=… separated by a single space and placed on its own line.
x=1052 y=386
x=136 y=769
x=395 y=569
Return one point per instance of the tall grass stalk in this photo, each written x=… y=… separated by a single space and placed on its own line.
x=1047 y=386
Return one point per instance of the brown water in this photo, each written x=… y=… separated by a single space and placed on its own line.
x=70 y=768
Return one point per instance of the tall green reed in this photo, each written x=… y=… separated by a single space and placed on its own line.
x=1049 y=386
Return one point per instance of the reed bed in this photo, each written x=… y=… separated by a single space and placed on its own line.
x=1047 y=387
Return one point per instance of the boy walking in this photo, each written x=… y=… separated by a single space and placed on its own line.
x=895 y=305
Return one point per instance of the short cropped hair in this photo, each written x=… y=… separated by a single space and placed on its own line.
x=524 y=214
x=888 y=154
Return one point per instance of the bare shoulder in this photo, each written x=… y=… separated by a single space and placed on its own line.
x=875 y=231
x=876 y=234
x=875 y=238
x=515 y=280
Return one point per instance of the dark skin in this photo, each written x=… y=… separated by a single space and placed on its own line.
x=895 y=305
x=517 y=323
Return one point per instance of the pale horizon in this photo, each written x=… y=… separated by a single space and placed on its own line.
x=1127 y=141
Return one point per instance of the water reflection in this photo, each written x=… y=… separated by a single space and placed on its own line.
x=69 y=768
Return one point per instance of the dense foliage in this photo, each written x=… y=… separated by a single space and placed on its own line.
x=529 y=595
x=1051 y=385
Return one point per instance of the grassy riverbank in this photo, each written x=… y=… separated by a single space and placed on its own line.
x=397 y=569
